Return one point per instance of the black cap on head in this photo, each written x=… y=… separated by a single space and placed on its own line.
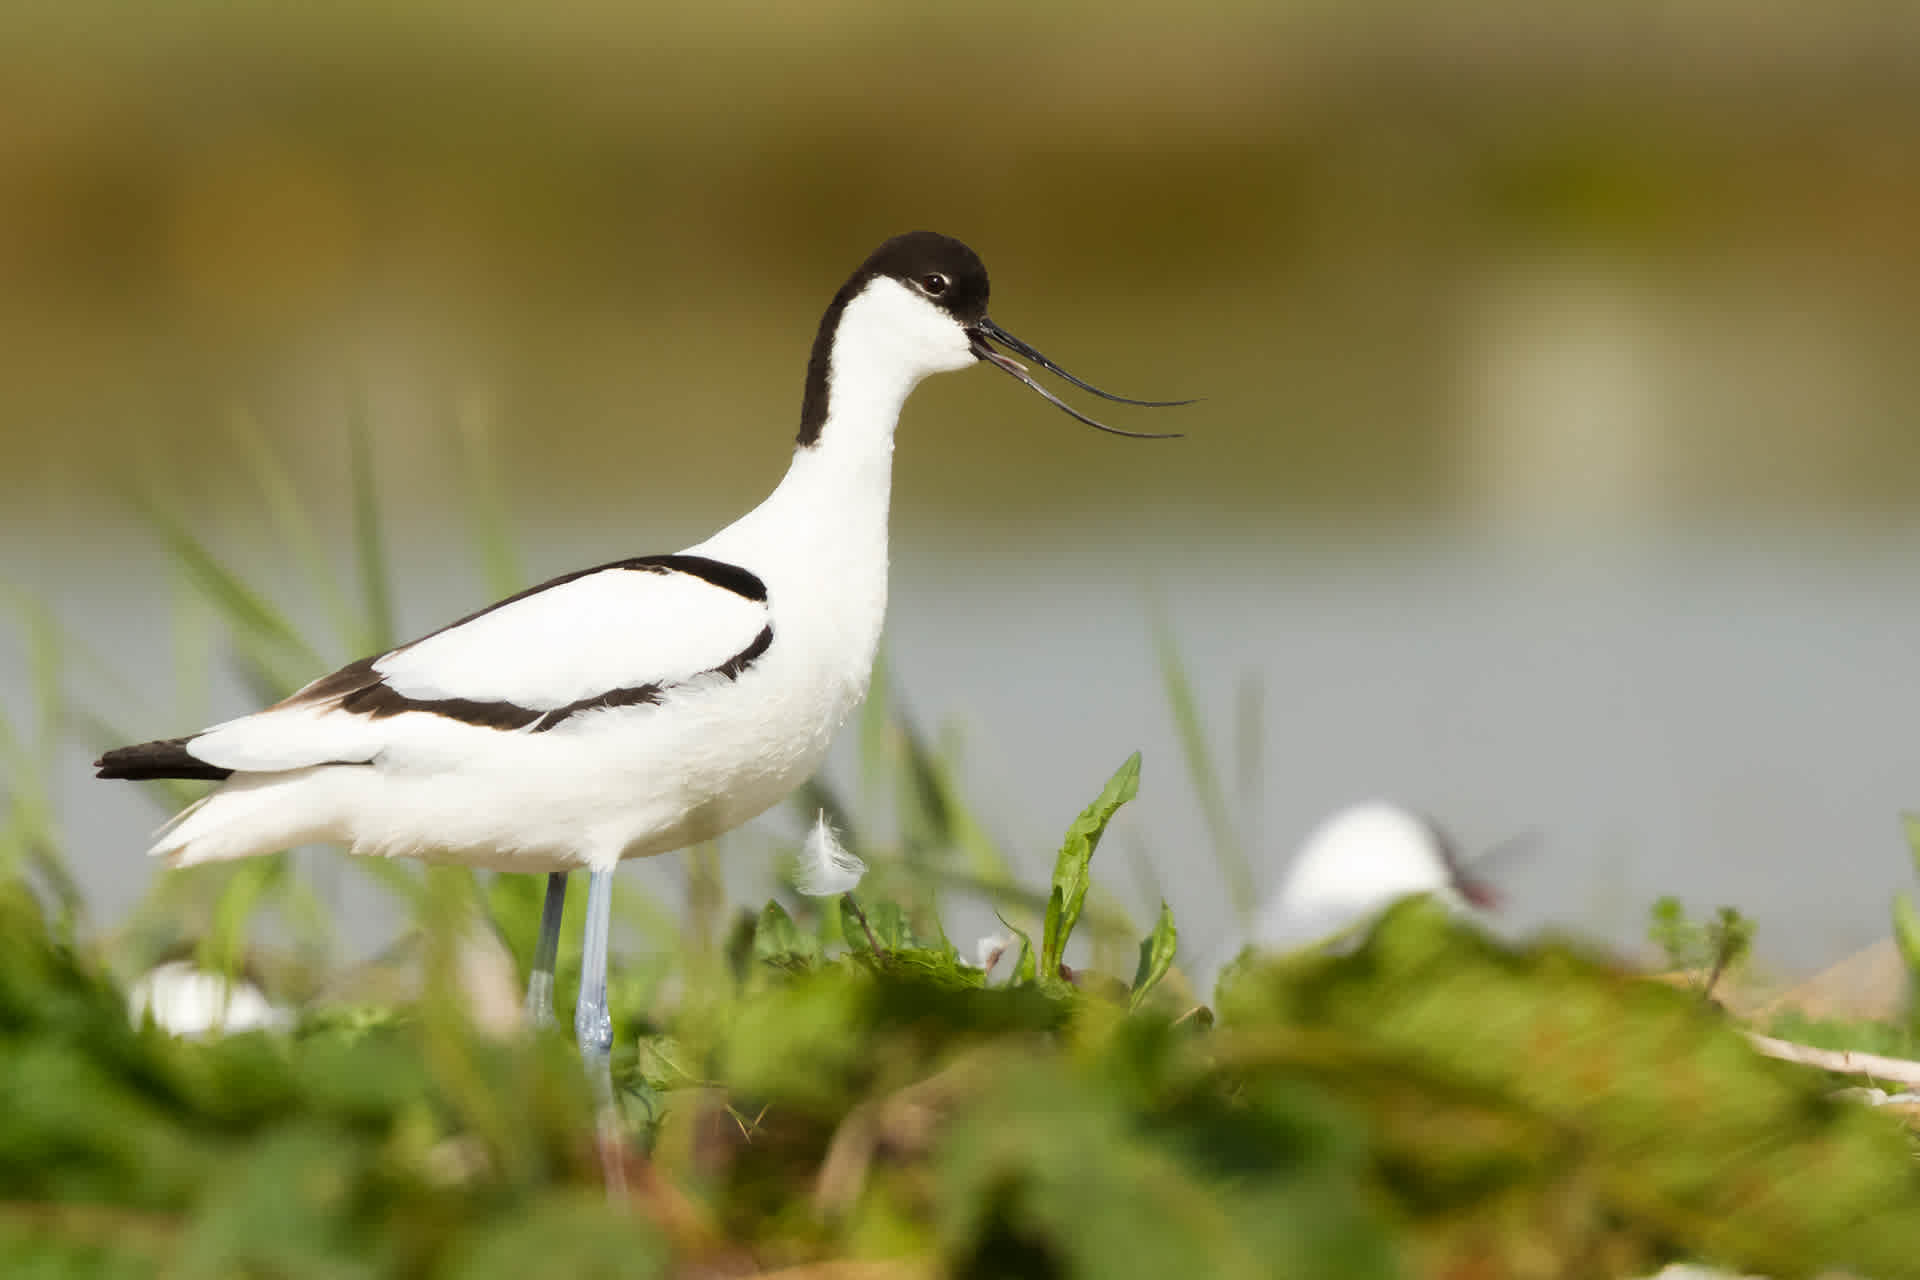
x=952 y=277
x=938 y=267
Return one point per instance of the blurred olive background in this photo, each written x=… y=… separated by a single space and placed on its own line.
x=1557 y=470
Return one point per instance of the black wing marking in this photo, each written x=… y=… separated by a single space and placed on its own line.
x=358 y=688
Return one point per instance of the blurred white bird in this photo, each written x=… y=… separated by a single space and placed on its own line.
x=1350 y=868
x=186 y=1000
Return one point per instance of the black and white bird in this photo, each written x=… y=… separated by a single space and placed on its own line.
x=1354 y=865
x=633 y=708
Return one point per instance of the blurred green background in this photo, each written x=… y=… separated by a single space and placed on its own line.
x=1556 y=472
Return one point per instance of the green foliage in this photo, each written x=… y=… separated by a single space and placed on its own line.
x=1630 y=1114
x=1906 y=926
x=1861 y=1035
x=1712 y=948
x=1071 y=876
x=831 y=1083
x=1428 y=1103
x=1156 y=956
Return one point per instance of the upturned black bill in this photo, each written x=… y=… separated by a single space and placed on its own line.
x=987 y=329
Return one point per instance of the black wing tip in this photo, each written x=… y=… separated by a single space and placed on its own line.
x=167 y=758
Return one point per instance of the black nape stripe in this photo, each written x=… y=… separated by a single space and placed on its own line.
x=813 y=405
x=904 y=257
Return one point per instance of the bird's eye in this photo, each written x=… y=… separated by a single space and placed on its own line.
x=934 y=284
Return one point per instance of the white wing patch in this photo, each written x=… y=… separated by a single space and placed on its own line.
x=611 y=629
x=282 y=738
x=602 y=634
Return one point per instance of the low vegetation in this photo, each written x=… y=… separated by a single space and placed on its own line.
x=831 y=1088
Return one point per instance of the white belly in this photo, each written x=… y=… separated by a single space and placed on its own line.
x=625 y=782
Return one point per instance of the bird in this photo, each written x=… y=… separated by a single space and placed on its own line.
x=185 y=1000
x=1354 y=864
x=632 y=708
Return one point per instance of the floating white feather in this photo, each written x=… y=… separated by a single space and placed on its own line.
x=826 y=868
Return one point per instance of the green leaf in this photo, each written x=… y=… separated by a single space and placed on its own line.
x=1911 y=823
x=775 y=934
x=1023 y=964
x=1070 y=869
x=1669 y=929
x=780 y=942
x=856 y=927
x=890 y=926
x=1156 y=956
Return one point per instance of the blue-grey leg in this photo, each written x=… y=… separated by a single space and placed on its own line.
x=545 y=951
x=592 y=1024
x=593 y=1028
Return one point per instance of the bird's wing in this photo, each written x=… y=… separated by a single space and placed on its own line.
x=621 y=635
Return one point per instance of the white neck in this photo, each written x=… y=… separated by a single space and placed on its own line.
x=875 y=345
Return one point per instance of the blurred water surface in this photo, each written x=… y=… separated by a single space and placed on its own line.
x=1557 y=468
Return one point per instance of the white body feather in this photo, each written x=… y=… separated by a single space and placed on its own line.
x=621 y=781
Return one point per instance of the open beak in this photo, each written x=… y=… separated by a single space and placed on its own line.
x=986 y=330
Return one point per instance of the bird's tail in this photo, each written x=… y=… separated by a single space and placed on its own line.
x=167 y=758
x=253 y=813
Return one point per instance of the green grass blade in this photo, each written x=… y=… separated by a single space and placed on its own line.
x=33 y=838
x=277 y=656
x=194 y=647
x=369 y=543
x=1906 y=934
x=983 y=853
x=1023 y=969
x=477 y=460
x=1228 y=853
x=1250 y=753
x=400 y=878
x=925 y=828
x=224 y=947
x=294 y=525
x=877 y=742
x=240 y=604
